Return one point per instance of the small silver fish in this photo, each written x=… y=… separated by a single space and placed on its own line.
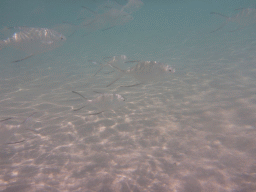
x=146 y=72
x=34 y=40
x=103 y=102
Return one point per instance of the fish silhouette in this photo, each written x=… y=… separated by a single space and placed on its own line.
x=132 y=6
x=107 y=20
x=244 y=18
x=8 y=132
x=119 y=61
x=107 y=16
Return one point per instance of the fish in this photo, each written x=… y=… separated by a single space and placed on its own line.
x=107 y=16
x=115 y=61
x=107 y=20
x=19 y=60
x=8 y=118
x=107 y=28
x=244 y=18
x=103 y=102
x=145 y=72
x=33 y=40
x=132 y=6
x=8 y=132
x=118 y=61
x=135 y=61
x=94 y=12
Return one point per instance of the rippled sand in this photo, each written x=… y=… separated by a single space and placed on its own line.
x=194 y=132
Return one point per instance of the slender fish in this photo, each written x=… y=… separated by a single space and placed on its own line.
x=244 y=18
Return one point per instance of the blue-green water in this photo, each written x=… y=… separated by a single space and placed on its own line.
x=192 y=131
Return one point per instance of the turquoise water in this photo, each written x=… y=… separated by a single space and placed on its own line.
x=193 y=131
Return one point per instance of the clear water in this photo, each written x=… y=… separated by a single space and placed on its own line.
x=196 y=131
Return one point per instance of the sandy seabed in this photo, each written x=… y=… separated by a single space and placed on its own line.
x=195 y=131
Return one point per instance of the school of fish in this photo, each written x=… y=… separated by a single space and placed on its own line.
x=32 y=41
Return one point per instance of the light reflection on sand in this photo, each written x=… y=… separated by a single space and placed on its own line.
x=194 y=132
x=192 y=136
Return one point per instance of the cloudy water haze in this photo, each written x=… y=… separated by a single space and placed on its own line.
x=188 y=128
